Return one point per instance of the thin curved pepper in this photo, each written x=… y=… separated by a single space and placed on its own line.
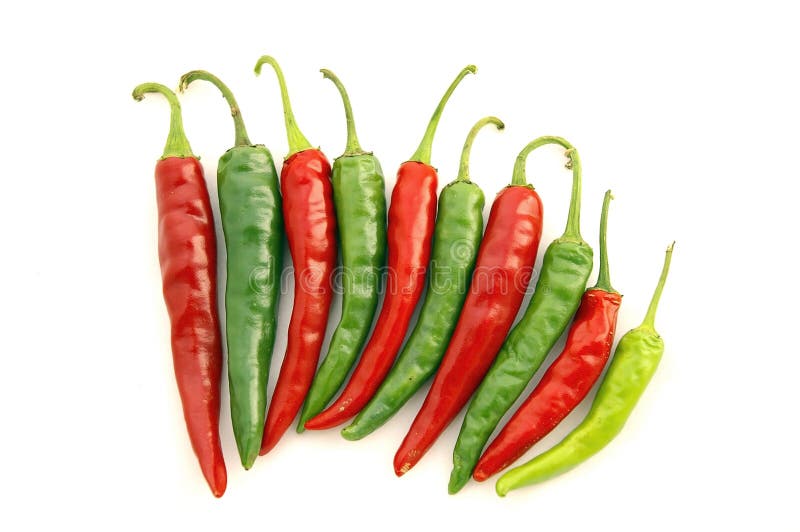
x=502 y=272
x=359 y=194
x=250 y=208
x=635 y=361
x=456 y=239
x=566 y=266
x=412 y=217
x=310 y=221
x=569 y=378
x=187 y=254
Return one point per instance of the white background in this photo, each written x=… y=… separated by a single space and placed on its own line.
x=687 y=110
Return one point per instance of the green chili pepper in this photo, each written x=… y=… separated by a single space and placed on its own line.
x=635 y=361
x=456 y=239
x=566 y=266
x=250 y=208
x=360 y=201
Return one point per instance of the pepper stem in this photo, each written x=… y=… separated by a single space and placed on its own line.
x=177 y=144
x=603 y=277
x=297 y=142
x=241 y=133
x=573 y=230
x=353 y=147
x=650 y=317
x=463 y=168
x=423 y=153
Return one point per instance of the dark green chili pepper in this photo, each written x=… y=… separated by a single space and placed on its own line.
x=456 y=239
x=360 y=200
x=566 y=266
x=635 y=361
x=250 y=205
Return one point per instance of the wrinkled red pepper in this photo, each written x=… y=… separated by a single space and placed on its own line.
x=187 y=253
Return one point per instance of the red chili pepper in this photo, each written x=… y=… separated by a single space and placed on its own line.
x=569 y=378
x=310 y=223
x=502 y=272
x=412 y=216
x=188 y=257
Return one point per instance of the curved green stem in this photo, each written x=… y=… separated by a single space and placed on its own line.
x=603 y=277
x=463 y=167
x=573 y=230
x=650 y=317
x=241 y=133
x=353 y=147
x=423 y=153
x=177 y=144
x=297 y=142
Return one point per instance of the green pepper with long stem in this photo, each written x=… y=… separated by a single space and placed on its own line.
x=456 y=239
x=250 y=205
x=566 y=266
x=360 y=201
x=635 y=361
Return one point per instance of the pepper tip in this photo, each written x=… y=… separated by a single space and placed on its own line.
x=351 y=433
x=250 y=458
x=479 y=475
x=217 y=479
x=501 y=488
x=401 y=468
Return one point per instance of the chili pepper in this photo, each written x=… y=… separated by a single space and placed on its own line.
x=412 y=216
x=635 y=361
x=571 y=375
x=456 y=239
x=566 y=266
x=359 y=194
x=188 y=258
x=310 y=222
x=502 y=272
x=250 y=208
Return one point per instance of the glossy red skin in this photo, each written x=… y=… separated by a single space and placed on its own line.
x=188 y=257
x=412 y=217
x=562 y=387
x=310 y=222
x=502 y=272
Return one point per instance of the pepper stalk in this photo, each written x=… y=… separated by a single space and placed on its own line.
x=177 y=144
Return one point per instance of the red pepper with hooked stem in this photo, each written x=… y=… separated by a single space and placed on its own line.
x=412 y=216
x=310 y=222
x=187 y=252
x=502 y=272
x=569 y=378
